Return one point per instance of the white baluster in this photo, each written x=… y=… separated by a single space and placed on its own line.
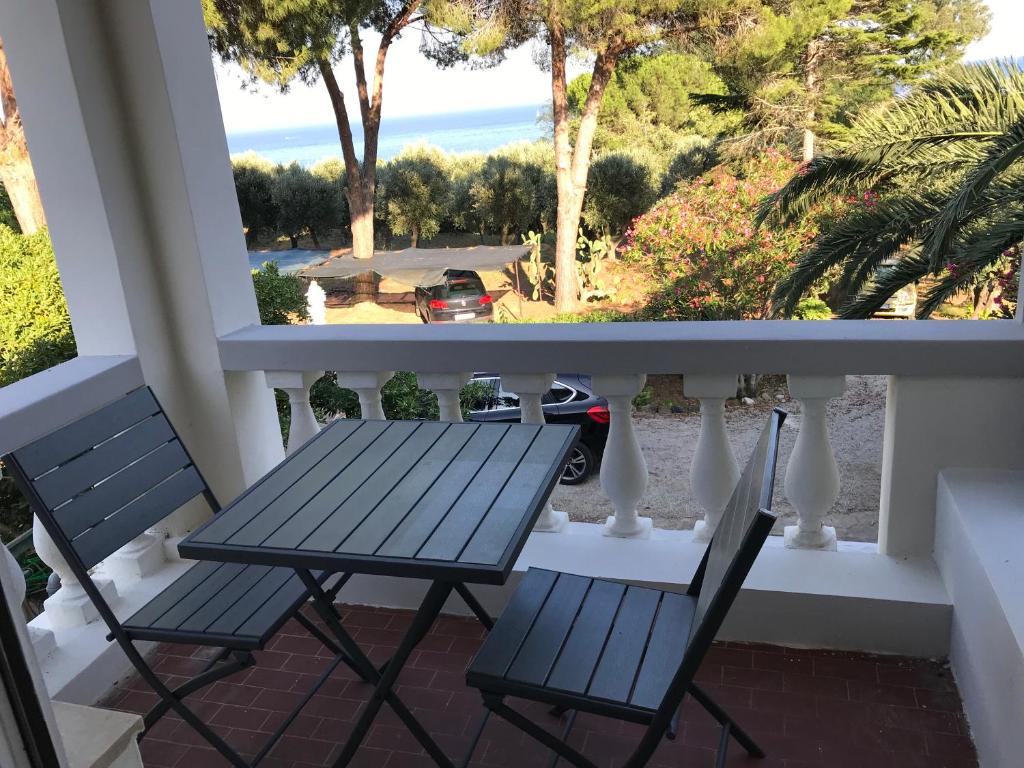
x=447 y=387
x=316 y=303
x=531 y=387
x=139 y=558
x=367 y=385
x=623 y=469
x=43 y=641
x=812 y=477
x=70 y=605
x=713 y=472
x=296 y=384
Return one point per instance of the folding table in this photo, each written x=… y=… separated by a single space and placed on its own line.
x=449 y=503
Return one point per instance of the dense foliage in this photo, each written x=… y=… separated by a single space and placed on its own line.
x=35 y=329
x=798 y=69
x=938 y=177
x=621 y=186
x=701 y=243
x=417 y=187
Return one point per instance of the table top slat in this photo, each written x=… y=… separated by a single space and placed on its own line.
x=364 y=503
x=523 y=490
x=346 y=483
x=407 y=539
x=403 y=498
x=263 y=524
x=278 y=481
x=450 y=537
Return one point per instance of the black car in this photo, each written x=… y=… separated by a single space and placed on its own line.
x=461 y=298
x=569 y=401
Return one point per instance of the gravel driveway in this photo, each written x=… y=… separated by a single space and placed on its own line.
x=856 y=422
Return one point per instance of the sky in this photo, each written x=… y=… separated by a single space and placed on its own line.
x=415 y=86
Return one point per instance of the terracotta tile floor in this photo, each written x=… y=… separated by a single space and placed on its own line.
x=805 y=708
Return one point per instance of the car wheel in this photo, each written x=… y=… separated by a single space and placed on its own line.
x=580 y=465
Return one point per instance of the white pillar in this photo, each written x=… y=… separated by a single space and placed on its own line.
x=366 y=384
x=70 y=605
x=123 y=122
x=447 y=387
x=316 y=303
x=302 y=424
x=812 y=477
x=531 y=387
x=713 y=472
x=623 y=469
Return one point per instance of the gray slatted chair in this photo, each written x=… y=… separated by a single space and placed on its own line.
x=627 y=652
x=102 y=480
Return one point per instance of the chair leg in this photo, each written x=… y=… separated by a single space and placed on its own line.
x=210 y=675
x=176 y=704
x=729 y=725
x=549 y=740
x=476 y=738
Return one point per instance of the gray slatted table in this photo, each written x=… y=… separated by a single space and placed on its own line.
x=449 y=503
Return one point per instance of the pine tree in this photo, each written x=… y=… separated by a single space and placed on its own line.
x=800 y=68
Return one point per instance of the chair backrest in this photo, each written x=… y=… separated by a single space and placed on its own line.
x=741 y=533
x=102 y=480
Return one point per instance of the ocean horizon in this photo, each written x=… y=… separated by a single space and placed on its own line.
x=474 y=131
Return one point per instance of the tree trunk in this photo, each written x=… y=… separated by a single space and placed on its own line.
x=295 y=241
x=572 y=164
x=504 y=234
x=414 y=237
x=812 y=58
x=15 y=166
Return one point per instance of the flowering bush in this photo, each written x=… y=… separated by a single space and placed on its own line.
x=701 y=243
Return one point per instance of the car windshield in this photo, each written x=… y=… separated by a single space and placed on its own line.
x=461 y=287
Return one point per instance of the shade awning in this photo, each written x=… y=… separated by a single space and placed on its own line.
x=421 y=267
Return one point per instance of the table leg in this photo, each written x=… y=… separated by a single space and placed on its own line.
x=474 y=605
x=385 y=680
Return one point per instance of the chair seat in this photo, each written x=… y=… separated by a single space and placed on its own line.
x=222 y=604
x=587 y=644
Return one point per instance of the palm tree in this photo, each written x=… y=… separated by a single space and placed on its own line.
x=936 y=182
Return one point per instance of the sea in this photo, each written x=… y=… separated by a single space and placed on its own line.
x=479 y=131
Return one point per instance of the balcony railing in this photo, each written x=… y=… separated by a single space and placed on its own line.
x=960 y=356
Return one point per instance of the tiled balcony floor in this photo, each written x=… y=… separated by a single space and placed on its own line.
x=805 y=708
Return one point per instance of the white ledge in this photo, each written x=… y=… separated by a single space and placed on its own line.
x=918 y=347
x=35 y=406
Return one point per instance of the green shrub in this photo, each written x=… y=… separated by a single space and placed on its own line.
x=702 y=244
x=619 y=188
x=696 y=155
x=812 y=308
x=504 y=196
x=35 y=328
x=419 y=190
x=462 y=215
x=254 y=182
x=306 y=203
x=280 y=298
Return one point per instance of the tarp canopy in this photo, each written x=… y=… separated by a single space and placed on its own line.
x=421 y=267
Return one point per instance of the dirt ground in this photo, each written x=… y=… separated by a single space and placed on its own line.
x=855 y=423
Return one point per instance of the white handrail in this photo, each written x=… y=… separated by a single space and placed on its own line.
x=919 y=347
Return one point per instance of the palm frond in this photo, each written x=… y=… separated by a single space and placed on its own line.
x=971 y=255
x=886 y=282
x=863 y=239
x=1003 y=154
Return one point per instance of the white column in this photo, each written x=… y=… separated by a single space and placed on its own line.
x=70 y=605
x=302 y=424
x=531 y=387
x=316 y=303
x=367 y=385
x=447 y=387
x=713 y=472
x=623 y=469
x=121 y=113
x=812 y=477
